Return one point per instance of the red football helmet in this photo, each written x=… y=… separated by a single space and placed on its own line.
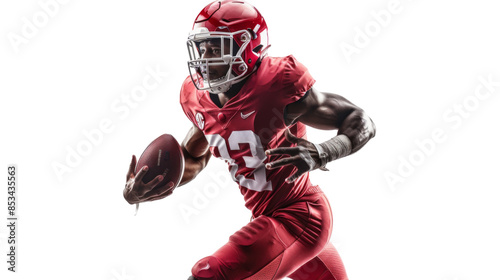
x=240 y=30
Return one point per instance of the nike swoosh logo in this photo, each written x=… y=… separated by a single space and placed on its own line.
x=244 y=116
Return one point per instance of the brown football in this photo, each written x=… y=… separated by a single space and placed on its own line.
x=163 y=155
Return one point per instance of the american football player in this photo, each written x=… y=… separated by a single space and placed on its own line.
x=251 y=110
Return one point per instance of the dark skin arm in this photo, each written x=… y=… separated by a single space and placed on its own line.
x=326 y=111
x=331 y=111
x=196 y=156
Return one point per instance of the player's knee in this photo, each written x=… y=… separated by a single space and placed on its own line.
x=206 y=269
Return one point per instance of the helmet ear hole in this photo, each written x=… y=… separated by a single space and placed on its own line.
x=252 y=33
x=257 y=49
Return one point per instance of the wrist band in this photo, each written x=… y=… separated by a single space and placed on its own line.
x=335 y=148
x=323 y=156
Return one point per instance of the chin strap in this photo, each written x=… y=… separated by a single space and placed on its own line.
x=226 y=86
x=335 y=148
x=221 y=88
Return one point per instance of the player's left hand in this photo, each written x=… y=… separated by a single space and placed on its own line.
x=304 y=156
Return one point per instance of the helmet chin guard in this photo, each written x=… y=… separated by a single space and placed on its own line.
x=231 y=56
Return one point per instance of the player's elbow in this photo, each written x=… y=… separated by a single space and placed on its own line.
x=359 y=128
x=193 y=166
x=366 y=125
x=204 y=159
x=359 y=122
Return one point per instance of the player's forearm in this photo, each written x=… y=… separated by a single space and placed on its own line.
x=193 y=166
x=359 y=128
x=356 y=130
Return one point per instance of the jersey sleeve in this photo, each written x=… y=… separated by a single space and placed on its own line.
x=296 y=81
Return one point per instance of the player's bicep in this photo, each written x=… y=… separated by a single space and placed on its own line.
x=320 y=110
x=195 y=142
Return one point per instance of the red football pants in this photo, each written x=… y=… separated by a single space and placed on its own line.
x=291 y=242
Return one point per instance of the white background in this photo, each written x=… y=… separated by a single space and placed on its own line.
x=441 y=222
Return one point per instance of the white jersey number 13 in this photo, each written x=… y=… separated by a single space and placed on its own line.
x=259 y=182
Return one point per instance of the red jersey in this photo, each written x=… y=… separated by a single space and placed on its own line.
x=251 y=122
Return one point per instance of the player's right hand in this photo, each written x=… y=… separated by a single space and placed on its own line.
x=137 y=191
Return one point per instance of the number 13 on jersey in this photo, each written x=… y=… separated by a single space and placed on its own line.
x=256 y=161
